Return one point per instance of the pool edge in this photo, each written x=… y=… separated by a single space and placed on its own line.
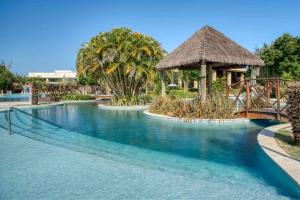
x=269 y=145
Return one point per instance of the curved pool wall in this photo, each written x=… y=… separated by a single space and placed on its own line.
x=197 y=121
x=233 y=161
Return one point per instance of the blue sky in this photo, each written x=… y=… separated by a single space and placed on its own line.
x=44 y=35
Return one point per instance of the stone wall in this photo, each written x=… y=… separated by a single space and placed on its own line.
x=293 y=109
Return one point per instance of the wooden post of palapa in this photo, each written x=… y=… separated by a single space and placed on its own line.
x=202 y=88
x=214 y=75
x=210 y=79
x=228 y=78
x=163 y=85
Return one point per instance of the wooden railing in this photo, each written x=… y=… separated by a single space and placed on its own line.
x=263 y=94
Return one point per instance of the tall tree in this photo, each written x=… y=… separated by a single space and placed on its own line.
x=6 y=77
x=124 y=59
x=282 y=57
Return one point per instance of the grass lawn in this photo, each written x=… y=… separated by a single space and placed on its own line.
x=285 y=140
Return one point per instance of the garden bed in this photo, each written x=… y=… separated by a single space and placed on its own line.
x=285 y=140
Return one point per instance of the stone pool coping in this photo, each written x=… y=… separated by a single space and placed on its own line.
x=31 y=106
x=220 y=121
x=28 y=105
x=107 y=107
x=269 y=145
x=78 y=101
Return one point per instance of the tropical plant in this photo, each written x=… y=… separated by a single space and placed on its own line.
x=123 y=59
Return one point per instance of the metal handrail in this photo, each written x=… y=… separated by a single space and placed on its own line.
x=22 y=111
x=26 y=113
x=9 y=121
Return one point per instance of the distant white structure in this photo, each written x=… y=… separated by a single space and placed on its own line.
x=57 y=74
x=54 y=77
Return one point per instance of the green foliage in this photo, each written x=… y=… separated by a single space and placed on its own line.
x=219 y=85
x=282 y=56
x=25 y=79
x=287 y=76
x=181 y=94
x=215 y=107
x=178 y=94
x=77 y=97
x=193 y=75
x=157 y=89
x=82 y=80
x=136 y=100
x=6 y=77
x=123 y=59
x=89 y=79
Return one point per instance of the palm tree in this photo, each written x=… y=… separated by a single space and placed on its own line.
x=124 y=59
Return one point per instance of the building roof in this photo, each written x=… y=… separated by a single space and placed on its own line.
x=211 y=46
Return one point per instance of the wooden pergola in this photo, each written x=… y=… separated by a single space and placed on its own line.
x=208 y=50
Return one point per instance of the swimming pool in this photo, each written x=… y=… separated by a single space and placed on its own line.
x=14 y=97
x=224 y=161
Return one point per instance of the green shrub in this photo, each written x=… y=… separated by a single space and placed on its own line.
x=181 y=94
x=135 y=100
x=178 y=94
x=215 y=107
x=77 y=97
x=219 y=85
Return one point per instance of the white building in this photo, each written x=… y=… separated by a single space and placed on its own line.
x=55 y=76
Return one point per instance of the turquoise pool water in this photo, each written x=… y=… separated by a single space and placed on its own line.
x=224 y=159
x=14 y=97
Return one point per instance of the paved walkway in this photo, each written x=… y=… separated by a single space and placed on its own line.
x=5 y=105
x=272 y=149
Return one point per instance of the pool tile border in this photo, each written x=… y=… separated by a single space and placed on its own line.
x=269 y=145
x=107 y=107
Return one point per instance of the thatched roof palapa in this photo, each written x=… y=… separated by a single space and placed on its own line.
x=211 y=46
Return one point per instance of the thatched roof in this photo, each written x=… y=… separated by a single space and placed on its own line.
x=211 y=46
